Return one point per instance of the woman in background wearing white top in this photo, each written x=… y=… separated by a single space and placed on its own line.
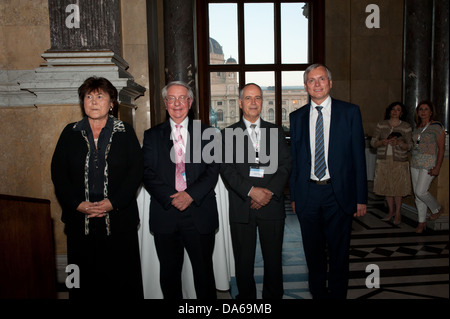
x=426 y=161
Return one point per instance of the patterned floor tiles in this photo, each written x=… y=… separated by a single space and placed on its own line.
x=410 y=266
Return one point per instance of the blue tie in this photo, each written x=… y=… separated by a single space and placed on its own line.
x=320 y=165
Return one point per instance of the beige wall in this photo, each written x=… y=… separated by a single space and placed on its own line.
x=366 y=63
x=27 y=144
x=24 y=32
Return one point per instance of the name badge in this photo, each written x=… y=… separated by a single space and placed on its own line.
x=257 y=172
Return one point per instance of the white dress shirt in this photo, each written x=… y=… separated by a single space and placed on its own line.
x=326 y=112
x=257 y=130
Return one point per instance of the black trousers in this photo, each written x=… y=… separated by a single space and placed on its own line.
x=109 y=266
x=170 y=249
x=244 y=239
x=326 y=232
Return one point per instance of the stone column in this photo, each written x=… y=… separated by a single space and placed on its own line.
x=441 y=83
x=426 y=57
x=85 y=25
x=179 y=41
x=418 y=22
x=85 y=41
x=426 y=75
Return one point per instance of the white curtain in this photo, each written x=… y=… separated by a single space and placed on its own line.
x=223 y=253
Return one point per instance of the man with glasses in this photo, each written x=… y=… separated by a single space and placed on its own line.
x=183 y=209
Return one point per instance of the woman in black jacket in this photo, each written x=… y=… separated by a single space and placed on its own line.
x=97 y=168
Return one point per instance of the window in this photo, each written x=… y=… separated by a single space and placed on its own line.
x=269 y=43
x=271 y=115
x=219 y=115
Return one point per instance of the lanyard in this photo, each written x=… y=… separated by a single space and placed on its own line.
x=420 y=134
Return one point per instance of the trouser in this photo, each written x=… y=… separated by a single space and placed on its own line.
x=421 y=181
x=244 y=238
x=170 y=249
x=326 y=230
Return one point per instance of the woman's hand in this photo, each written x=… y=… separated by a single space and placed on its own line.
x=434 y=171
x=96 y=209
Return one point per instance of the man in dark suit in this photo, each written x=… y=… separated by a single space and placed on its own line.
x=183 y=209
x=256 y=183
x=330 y=187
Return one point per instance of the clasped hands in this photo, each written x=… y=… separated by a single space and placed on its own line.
x=259 y=197
x=181 y=200
x=96 y=209
x=392 y=141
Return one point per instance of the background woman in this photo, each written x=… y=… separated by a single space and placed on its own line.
x=392 y=139
x=97 y=168
x=426 y=161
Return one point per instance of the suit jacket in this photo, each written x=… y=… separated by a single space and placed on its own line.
x=159 y=180
x=235 y=174
x=124 y=175
x=346 y=156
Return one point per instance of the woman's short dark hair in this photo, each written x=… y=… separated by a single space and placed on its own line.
x=387 y=115
x=94 y=84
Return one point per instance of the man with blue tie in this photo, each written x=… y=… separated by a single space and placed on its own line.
x=328 y=183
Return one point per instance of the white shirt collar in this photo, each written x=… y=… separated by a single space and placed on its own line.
x=326 y=104
x=184 y=124
x=248 y=123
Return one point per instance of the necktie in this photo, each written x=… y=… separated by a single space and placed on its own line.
x=253 y=135
x=180 y=182
x=320 y=165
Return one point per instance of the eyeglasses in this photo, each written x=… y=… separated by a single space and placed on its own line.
x=182 y=99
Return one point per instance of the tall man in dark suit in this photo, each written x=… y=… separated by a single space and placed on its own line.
x=256 y=183
x=183 y=209
x=328 y=183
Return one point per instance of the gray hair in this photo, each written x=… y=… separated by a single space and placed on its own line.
x=181 y=83
x=315 y=66
x=241 y=91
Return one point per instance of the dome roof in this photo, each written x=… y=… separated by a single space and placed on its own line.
x=215 y=47
x=231 y=60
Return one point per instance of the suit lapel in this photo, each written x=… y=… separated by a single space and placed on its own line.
x=189 y=165
x=166 y=132
x=304 y=125
x=266 y=128
x=334 y=128
x=167 y=145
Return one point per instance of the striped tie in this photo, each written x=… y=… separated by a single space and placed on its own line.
x=320 y=165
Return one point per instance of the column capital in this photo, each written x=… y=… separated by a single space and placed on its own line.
x=57 y=80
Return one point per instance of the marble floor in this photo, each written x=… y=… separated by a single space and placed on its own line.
x=411 y=266
x=387 y=261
